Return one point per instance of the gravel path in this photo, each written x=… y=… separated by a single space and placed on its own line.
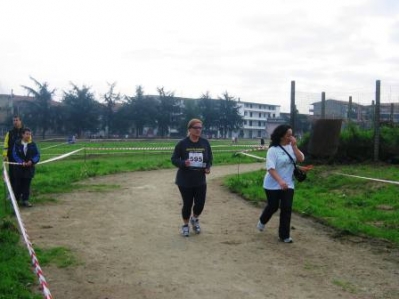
x=126 y=238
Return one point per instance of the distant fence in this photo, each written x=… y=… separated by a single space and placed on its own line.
x=366 y=108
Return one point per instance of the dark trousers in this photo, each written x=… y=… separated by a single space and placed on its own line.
x=192 y=195
x=22 y=188
x=279 y=199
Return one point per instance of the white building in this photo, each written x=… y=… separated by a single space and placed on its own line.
x=256 y=117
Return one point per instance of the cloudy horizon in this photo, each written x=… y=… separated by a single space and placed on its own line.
x=252 y=50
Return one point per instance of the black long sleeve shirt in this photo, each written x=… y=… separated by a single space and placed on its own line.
x=200 y=155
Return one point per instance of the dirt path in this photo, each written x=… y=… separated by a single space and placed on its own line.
x=127 y=240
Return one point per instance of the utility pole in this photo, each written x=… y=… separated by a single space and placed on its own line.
x=377 y=120
x=293 y=107
x=323 y=105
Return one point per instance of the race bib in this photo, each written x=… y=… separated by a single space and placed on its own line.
x=196 y=160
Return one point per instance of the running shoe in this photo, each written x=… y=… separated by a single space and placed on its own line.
x=26 y=204
x=287 y=240
x=195 y=224
x=185 y=230
x=260 y=226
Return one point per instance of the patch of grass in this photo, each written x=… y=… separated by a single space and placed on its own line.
x=60 y=256
x=345 y=285
x=16 y=278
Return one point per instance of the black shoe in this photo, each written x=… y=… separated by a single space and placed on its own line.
x=26 y=204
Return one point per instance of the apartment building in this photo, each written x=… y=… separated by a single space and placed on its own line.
x=259 y=119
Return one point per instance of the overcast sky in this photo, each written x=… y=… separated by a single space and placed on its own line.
x=252 y=49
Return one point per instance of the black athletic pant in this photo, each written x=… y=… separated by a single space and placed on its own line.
x=192 y=195
x=276 y=199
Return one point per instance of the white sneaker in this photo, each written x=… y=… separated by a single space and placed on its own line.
x=185 y=230
x=260 y=226
x=195 y=224
x=287 y=240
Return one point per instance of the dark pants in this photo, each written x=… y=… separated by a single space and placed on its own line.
x=276 y=199
x=22 y=188
x=190 y=196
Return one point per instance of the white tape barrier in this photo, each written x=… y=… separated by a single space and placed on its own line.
x=61 y=157
x=35 y=262
x=257 y=148
x=54 y=146
x=49 y=160
x=252 y=156
x=370 y=179
x=128 y=148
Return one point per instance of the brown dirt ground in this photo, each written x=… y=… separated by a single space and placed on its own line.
x=126 y=239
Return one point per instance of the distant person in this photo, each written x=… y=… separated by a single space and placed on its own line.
x=9 y=140
x=71 y=139
x=26 y=153
x=262 y=142
x=193 y=157
x=278 y=182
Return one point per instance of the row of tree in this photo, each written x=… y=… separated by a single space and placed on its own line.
x=79 y=112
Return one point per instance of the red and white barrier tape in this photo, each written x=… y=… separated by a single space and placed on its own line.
x=252 y=156
x=258 y=148
x=35 y=262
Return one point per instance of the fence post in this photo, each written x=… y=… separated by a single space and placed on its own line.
x=349 y=109
x=377 y=120
x=293 y=107
x=391 y=117
x=323 y=105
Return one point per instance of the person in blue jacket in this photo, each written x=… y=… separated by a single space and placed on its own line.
x=193 y=157
x=26 y=154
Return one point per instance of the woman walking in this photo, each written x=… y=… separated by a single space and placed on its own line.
x=278 y=182
x=193 y=157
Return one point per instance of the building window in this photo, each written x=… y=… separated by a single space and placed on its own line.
x=250 y=114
